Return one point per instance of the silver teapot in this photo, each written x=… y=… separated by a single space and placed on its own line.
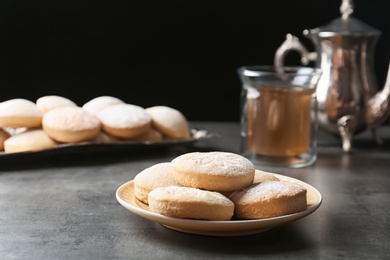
x=348 y=98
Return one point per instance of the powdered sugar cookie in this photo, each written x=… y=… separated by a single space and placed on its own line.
x=125 y=120
x=19 y=112
x=47 y=103
x=158 y=175
x=215 y=171
x=262 y=176
x=169 y=121
x=94 y=106
x=71 y=125
x=190 y=203
x=269 y=199
x=30 y=140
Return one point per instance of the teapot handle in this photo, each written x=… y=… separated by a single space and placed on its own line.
x=292 y=43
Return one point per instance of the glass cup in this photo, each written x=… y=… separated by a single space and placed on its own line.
x=279 y=115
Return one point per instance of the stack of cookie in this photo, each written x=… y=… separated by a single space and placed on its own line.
x=54 y=120
x=216 y=186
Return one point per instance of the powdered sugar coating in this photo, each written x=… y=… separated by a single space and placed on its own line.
x=124 y=116
x=186 y=202
x=19 y=107
x=155 y=176
x=216 y=171
x=158 y=175
x=169 y=121
x=269 y=199
x=266 y=191
x=70 y=118
x=94 y=106
x=47 y=103
x=262 y=176
x=189 y=194
x=19 y=112
x=70 y=124
x=214 y=163
x=30 y=140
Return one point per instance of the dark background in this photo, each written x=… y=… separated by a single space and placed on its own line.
x=182 y=54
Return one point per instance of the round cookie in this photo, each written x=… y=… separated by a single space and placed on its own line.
x=30 y=140
x=125 y=120
x=19 y=112
x=94 y=106
x=158 y=175
x=269 y=199
x=215 y=171
x=190 y=203
x=262 y=176
x=150 y=136
x=47 y=103
x=70 y=125
x=3 y=136
x=169 y=121
x=105 y=138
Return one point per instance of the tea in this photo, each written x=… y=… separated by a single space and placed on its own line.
x=279 y=120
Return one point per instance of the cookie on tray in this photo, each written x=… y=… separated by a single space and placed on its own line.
x=47 y=103
x=103 y=137
x=150 y=136
x=125 y=120
x=4 y=135
x=171 y=122
x=20 y=112
x=30 y=140
x=97 y=104
x=71 y=125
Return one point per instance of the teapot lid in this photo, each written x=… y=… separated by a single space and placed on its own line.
x=346 y=24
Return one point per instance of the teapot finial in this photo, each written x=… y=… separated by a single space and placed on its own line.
x=346 y=8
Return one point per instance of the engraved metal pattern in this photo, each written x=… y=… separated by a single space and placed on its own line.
x=347 y=93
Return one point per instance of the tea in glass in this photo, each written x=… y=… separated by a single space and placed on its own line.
x=278 y=116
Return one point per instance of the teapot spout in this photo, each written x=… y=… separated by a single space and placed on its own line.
x=379 y=106
x=347 y=127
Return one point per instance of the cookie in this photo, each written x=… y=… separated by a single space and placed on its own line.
x=71 y=125
x=125 y=120
x=190 y=203
x=19 y=112
x=3 y=136
x=215 y=171
x=269 y=199
x=94 y=106
x=150 y=136
x=169 y=121
x=105 y=138
x=158 y=175
x=262 y=176
x=47 y=103
x=30 y=140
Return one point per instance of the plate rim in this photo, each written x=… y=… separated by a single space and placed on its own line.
x=220 y=228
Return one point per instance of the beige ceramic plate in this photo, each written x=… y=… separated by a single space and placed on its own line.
x=125 y=196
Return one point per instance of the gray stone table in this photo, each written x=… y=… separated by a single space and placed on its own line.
x=63 y=206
